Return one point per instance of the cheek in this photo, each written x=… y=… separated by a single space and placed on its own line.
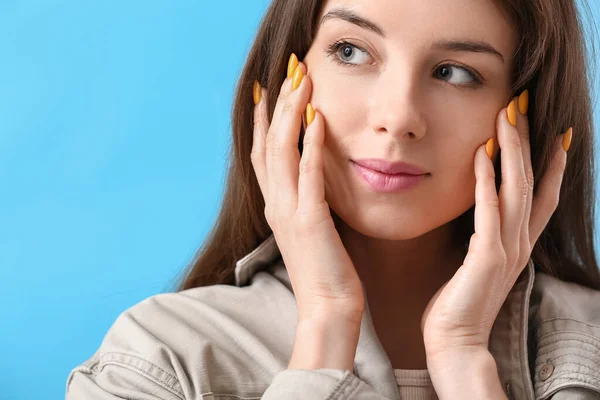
x=471 y=128
x=466 y=118
x=456 y=146
x=341 y=104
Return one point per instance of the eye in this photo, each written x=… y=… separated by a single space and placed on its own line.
x=345 y=53
x=350 y=54
x=461 y=75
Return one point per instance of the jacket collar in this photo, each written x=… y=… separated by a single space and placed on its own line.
x=260 y=258
x=508 y=339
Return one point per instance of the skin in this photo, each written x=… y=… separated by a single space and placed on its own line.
x=396 y=105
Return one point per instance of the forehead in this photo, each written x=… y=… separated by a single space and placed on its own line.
x=422 y=21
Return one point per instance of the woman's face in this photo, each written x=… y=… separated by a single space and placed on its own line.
x=400 y=98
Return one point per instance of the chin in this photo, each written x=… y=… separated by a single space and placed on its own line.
x=381 y=225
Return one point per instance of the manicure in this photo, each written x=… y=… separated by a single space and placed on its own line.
x=256 y=92
x=489 y=147
x=524 y=102
x=310 y=114
x=567 y=139
x=292 y=64
x=297 y=78
x=511 y=112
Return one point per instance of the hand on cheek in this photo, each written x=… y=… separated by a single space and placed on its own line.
x=460 y=316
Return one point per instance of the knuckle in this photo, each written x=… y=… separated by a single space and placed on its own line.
x=513 y=258
x=310 y=220
x=516 y=142
x=302 y=222
x=276 y=149
x=530 y=178
x=306 y=166
x=308 y=140
x=493 y=202
x=523 y=187
x=269 y=138
x=256 y=156
x=288 y=106
x=256 y=122
x=283 y=93
x=291 y=105
x=500 y=255
x=493 y=248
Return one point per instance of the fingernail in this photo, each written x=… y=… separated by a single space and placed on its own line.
x=292 y=64
x=489 y=147
x=567 y=139
x=511 y=112
x=524 y=102
x=298 y=75
x=310 y=114
x=256 y=92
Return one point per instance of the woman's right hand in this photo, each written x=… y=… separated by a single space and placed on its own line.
x=325 y=282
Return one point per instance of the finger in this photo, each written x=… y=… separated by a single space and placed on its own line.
x=286 y=89
x=487 y=210
x=261 y=127
x=513 y=190
x=283 y=156
x=548 y=195
x=311 y=182
x=523 y=129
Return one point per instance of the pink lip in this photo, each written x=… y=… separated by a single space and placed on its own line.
x=396 y=176
x=390 y=168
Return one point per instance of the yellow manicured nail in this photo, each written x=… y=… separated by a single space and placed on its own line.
x=489 y=147
x=567 y=139
x=310 y=114
x=524 y=102
x=292 y=64
x=298 y=75
x=256 y=92
x=511 y=112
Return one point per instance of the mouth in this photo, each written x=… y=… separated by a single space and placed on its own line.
x=385 y=182
x=390 y=168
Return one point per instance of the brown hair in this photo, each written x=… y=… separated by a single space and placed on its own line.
x=550 y=62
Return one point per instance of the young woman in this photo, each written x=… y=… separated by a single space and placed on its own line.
x=433 y=158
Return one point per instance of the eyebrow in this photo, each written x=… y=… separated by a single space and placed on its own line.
x=350 y=16
x=474 y=46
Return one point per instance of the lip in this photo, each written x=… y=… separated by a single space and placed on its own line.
x=390 y=168
x=408 y=177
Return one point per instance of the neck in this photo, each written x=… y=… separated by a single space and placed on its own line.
x=400 y=277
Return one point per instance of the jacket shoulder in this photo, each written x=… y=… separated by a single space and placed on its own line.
x=564 y=325
x=221 y=339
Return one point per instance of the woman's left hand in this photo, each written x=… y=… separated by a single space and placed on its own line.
x=460 y=316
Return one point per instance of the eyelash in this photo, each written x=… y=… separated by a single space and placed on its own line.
x=333 y=49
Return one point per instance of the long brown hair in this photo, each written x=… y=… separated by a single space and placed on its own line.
x=550 y=62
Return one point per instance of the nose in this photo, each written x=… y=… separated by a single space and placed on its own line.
x=395 y=106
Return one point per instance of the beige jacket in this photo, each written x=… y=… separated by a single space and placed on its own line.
x=227 y=342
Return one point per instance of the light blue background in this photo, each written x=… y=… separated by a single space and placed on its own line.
x=114 y=129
